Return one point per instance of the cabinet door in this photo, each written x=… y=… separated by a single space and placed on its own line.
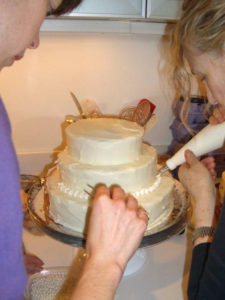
x=110 y=9
x=164 y=9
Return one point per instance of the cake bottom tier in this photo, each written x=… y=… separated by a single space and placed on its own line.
x=72 y=211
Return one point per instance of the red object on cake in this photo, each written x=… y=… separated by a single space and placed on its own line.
x=152 y=105
x=143 y=111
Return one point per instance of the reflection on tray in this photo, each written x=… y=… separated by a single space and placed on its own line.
x=174 y=225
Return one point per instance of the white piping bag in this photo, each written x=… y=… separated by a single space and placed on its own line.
x=210 y=138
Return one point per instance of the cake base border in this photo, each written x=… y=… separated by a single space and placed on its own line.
x=175 y=224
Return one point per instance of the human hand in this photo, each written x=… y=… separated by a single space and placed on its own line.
x=195 y=176
x=199 y=183
x=218 y=115
x=209 y=163
x=32 y=263
x=116 y=227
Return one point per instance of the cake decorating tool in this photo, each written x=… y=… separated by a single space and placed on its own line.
x=83 y=116
x=210 y=138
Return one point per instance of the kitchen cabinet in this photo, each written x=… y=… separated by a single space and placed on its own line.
x=110 y=9
x=163 y=9
x=127 y=16
x=130 y=9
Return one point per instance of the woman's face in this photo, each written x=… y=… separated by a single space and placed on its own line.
x=20 y=22
x=211 y=70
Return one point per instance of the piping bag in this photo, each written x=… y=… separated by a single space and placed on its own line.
x=210 y=138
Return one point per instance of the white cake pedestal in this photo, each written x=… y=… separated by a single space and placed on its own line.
x=136 y=262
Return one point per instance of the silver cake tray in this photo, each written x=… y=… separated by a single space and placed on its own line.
x=175 y=224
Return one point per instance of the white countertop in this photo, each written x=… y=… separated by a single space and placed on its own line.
x=163 y=274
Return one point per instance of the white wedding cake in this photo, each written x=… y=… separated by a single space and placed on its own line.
x=109 y=151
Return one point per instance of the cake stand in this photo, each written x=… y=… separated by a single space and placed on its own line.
x=174 y=225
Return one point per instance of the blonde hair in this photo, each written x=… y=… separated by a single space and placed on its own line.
x=203 y=23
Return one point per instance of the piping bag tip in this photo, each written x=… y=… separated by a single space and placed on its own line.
x=163 y=169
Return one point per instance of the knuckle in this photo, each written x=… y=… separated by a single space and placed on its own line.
x=142 y=225
x=132 y=214
x=119 y=203
x=101 y=199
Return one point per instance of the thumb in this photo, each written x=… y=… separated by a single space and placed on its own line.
x=191 y=159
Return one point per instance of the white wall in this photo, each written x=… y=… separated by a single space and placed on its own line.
x=115 y=70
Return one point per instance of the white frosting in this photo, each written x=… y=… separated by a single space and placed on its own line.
x=132 y=177
x=71 y=211
x=108 y=151
x=74 y=192
x=148 y=190
x=104 y=140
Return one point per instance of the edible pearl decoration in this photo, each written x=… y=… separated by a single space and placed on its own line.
x=83 y=195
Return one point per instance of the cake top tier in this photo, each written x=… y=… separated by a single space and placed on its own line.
x=105 y=128
x=103 y=141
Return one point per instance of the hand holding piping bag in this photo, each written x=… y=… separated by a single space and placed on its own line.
x=210 y=138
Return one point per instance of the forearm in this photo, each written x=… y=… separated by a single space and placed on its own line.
x=99 y=281
x=204 y=216
x=116 y=227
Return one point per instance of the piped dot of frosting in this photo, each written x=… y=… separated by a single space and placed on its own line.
x=148 y=190
x=81 y=194
x=74 y=193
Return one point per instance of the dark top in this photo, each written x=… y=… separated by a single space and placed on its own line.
x=207 y=275
x=12 y=271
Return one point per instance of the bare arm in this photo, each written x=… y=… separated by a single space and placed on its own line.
x=199 y=183
x=115 y=230
x=99 y=280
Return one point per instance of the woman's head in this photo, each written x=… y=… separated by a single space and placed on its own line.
x=199 y=39
x=202 y=23
x=63 y=7
x=20 y=22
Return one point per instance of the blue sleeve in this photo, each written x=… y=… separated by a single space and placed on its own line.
x=207 y=275
x=12 y=271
